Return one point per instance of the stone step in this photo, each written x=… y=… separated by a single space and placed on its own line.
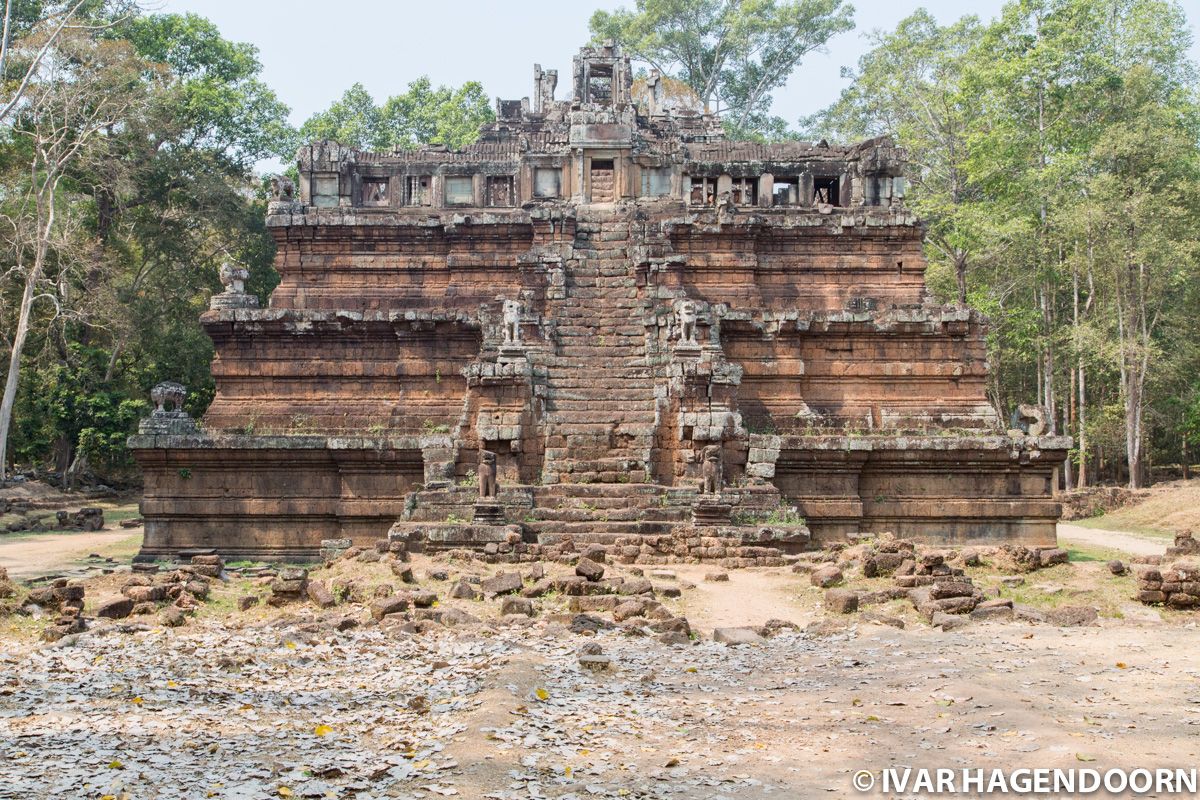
x=625 y=514
x=595 y=532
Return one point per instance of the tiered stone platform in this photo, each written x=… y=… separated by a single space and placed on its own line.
x=621 y=308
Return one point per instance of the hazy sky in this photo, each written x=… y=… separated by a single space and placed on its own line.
x=312 y=50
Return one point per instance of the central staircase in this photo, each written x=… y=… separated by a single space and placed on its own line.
x=600 y=398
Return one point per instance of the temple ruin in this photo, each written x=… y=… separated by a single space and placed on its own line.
x=603 y=322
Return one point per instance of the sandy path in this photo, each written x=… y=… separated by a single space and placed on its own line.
x=29 y=556
x=1113 y=540
x=750 y=597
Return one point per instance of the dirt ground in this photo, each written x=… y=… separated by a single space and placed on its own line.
x=296 y=702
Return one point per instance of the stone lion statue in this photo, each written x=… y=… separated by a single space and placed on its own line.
x=282 y=189
x=711 y=478
x=168 y=392
x=686 y=315
x=234 y=277
x=512 y=322
x=487 y=475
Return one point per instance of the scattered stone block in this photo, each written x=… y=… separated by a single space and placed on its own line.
x=423 y=599
x=717 y=577
x=628 y=610
x=504 y=583
x=589 y=570
x=1051 y=556
x=737 y=636
x=1072 y=616
x=464 y=591
x=320 y=595
x=841 y=601
x=517 y=605
x=948 y=622
x=403 y=571
x=596 y=663
x=392 y=604
x=116 y=609
x=826 y=576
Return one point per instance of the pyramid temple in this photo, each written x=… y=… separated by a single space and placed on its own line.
x=602 y=322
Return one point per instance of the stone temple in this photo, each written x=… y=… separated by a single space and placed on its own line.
x=603 y=322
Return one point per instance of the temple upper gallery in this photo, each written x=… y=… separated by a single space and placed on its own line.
x=630 y=325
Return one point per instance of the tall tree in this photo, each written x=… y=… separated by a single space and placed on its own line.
x=170 y=194
x=1035 y=168
x=732 y=53
x=909 y=85
x=82 y=89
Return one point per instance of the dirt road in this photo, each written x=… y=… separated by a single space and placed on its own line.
x=1111 y=540
x=29 y=556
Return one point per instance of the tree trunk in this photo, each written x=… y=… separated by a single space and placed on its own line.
x=960 y=272
x=14 y=369
x=45 y=212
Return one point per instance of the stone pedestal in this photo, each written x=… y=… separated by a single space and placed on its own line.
x=168 y=423
x=488 y=512
x=710 y=510
x=226 y=300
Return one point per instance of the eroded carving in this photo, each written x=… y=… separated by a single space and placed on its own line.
x=487 y=475
x=686 y=316
x=512 y=323
x=712 y=478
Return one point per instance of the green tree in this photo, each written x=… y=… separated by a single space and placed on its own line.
x=1035 y=165
x=422 y=115
x=169 y=194
x=732 y=53
x=909 y=85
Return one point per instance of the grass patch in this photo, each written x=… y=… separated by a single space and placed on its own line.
x=122 y=550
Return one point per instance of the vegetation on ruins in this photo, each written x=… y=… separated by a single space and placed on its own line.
x=1054 y=158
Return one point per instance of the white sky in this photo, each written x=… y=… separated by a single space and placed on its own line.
x=312 y=50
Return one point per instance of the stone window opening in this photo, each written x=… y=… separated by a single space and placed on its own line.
x=375 y=191
x=745 y=191
x=786 y=192
x=656 y=182
x=416 y=190
x=879 y=190
x=702 y=191
x=547 y=182
x=459 y=190
x=599 y=85
x=499 y=190
x=825 y=190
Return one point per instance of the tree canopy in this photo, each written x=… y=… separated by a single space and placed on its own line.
x=733 y=54
x=424 y=114
x=1054 y=157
